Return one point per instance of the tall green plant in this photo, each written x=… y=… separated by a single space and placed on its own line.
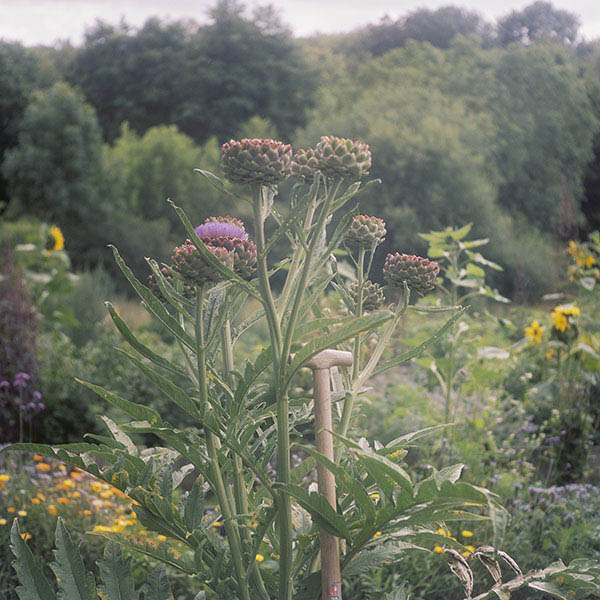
x=463 y=278
x=242 y=421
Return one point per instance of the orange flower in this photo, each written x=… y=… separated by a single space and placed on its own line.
x=63 y=500
x=52 y=510
x=38 y=457
x=43 y=467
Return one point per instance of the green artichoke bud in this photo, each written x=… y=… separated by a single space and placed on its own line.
x=255 y=161
x=188 y=290
x=305 y=164
x=195 y=270
x=373 y=297
x=338 y=157
x=419 y=273
x=365 y=232
x=242 y=250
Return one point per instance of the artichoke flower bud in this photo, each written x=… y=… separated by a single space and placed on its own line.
x=243 y=252
x=304 y=165
x=229 y=233
x=188 y=290
x=192 y=266
x=264 y=162
x=419 y=273
x=339 y=157
x=373 y=297
x=365 y=232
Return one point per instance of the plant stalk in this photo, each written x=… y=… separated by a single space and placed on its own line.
x=230 y=525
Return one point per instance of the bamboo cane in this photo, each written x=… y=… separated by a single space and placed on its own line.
x=321 y=364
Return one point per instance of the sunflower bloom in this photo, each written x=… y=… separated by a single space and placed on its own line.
x=534 y=332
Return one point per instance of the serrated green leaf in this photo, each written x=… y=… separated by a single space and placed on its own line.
x=74 y=581
x=153 y=304
x=174 y=392
x=158 y=586
x=138 y=411
x=29 y=568
x=115 y=574
x=319 y=509
x=194 y=506
x=132 y=340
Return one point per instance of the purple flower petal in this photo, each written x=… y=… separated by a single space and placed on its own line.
x=220 y=230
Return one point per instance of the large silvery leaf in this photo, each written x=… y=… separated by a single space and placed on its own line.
x=115 y=573
x=158 y=587
x=29 y=568
x=73 y=580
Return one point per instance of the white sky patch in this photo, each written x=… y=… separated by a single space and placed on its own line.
x=47 y=21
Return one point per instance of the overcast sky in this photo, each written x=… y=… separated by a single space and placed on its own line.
x=45 y=21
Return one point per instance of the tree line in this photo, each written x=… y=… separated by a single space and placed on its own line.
x=468 y=121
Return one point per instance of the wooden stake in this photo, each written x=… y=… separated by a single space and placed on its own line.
x=331 y=580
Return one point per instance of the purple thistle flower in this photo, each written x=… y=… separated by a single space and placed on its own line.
x=37 y=395
x=41 y=406
x=19 y=383
x=4 y=384
x=215 y=229
x=22 y=375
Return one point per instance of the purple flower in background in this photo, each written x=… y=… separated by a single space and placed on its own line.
x=20 y=383
x=37 y=395
x=22 y=375
x=41 y=406
x=4 y=384
x=563 y=432
x=215 y=229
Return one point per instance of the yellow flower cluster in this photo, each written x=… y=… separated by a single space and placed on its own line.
x=582 y=260
x=564 y=315
x=534 y=332
x=465 y=533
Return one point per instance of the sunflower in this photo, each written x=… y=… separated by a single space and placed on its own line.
x=56 y=239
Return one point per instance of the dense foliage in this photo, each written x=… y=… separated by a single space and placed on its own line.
x=469 y=120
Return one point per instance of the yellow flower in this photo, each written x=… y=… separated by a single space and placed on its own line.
x=466 y=533
x=4 y=477
x=41 y=496
x=43 y=467
x=438 y=549
x=143 y=532
x=550 y=354
x=3 y=521
x=26 y=536
x=589 y=261
x=161 y=538
x=377 y=534
x=63 y=500
x=534 y=332
x=375 y=496
x=75 y=494
x=52 y=510
x=444 y=532
x=559 y=319
x=35 y=500
x=11 y=509
x=57 y=241
x=87 y=512
x=38 y=457
x=259 y=558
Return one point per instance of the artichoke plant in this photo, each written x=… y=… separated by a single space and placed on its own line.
x=339 y=157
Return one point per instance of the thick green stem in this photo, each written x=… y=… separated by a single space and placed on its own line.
x=283 y=439
x=231 y=528
x=239 y=483
x=291 y=327
x=351 y=396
